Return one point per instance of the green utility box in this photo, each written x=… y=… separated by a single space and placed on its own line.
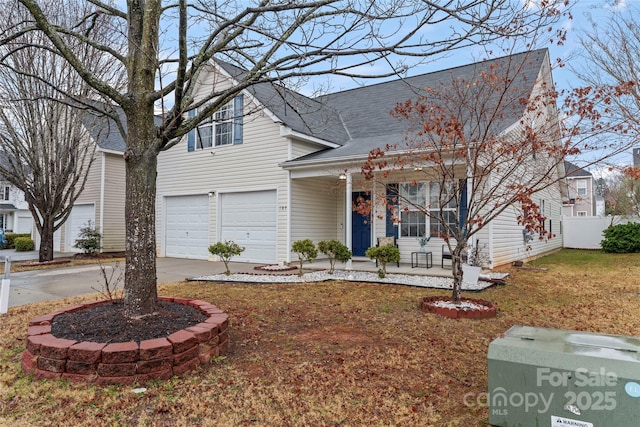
x=554 y=378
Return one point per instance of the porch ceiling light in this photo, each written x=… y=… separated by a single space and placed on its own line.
x=342 y=176
x=417 y=169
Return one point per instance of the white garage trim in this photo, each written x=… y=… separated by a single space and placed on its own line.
x=250 y=219
x=80 y=216
x=186 y=231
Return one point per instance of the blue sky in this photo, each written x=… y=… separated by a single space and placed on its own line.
x=584 y=14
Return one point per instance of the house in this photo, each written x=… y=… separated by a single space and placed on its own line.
x=274 y=166
x=581 y=200
x=102 y=201
x=14 y=212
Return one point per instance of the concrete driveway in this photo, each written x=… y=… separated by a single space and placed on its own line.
x=55 y=283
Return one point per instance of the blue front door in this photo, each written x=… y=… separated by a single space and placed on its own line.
x=360 y=226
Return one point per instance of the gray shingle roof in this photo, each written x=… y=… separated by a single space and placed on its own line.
x=294 y=110
x=365 y=111
x=573 y=171
x=104 y=131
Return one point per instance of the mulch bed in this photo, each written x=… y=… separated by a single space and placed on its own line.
x=106 y=323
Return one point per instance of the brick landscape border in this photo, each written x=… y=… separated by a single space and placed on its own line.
x=125 y=363
x=490 y=309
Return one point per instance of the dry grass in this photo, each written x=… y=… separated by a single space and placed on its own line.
x=334 y=353
x=19 y=266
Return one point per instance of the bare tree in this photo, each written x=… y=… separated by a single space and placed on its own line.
x=611 y=73
x=482 y=145
x=44 y=141
x=171 y=43
x=622 y=194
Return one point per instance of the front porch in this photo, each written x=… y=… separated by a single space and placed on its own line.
x=365 y=264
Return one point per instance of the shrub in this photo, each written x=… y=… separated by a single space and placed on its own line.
x=383 y=254
x=10 y=239
x=24 y=244
x=335 y=251
x=226 y=250
x=306 y=251
x=89 y=238
x=622 y=238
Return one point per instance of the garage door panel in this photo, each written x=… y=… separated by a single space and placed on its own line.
x=79 y=218
x=249 y=219
x=187 y=227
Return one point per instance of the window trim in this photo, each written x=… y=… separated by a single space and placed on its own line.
x=407 y=208
x=230 y=115
x=435 y=212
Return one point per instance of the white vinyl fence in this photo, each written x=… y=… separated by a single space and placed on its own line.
x=585 y=232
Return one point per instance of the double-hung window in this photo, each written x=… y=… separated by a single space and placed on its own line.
x=4 y=192
x=412 y=217
x=581 y=187
x=442 y=209
x=218 y=131
x=225 y=127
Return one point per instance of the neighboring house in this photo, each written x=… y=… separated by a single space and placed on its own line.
x=103 y=197
x=14 y=212
x=581 y=200
x=274 y=166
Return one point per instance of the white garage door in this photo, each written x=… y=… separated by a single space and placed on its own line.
x=79 y=218
x=25 y=222
x=187 y=227
x=249 y=219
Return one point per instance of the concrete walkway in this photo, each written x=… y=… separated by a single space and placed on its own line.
x=62 y=282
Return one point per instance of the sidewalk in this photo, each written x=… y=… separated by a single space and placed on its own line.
x=25 y=256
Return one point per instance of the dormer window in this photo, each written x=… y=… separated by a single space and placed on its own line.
x=224 y=128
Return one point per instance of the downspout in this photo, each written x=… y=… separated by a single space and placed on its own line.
x=374 y=216
x=102 y=178
x=288 y=247
x=289 y=198
x=348 y=219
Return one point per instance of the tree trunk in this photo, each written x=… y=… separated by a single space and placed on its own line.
x=456 y=267
x=140 y=293
x=45 y=252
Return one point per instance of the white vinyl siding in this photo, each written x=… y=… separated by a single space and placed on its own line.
x=507 y=240
x=251 y=166
x=313 y=210
x=113 y=223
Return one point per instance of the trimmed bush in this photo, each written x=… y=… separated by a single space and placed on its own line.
x=383 y=254
x=306 y=251
x=335 y=251
x=226 y=250
x=622 y=238
x=23 y=244
x=10 y=238
x=88 y=240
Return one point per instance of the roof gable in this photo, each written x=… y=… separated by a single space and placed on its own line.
x=294 y=110
x=574 y=171
x=366 y=111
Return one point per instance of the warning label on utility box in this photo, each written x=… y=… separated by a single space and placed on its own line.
x=566 y=422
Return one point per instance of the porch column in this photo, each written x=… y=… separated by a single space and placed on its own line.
x=348 y=218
